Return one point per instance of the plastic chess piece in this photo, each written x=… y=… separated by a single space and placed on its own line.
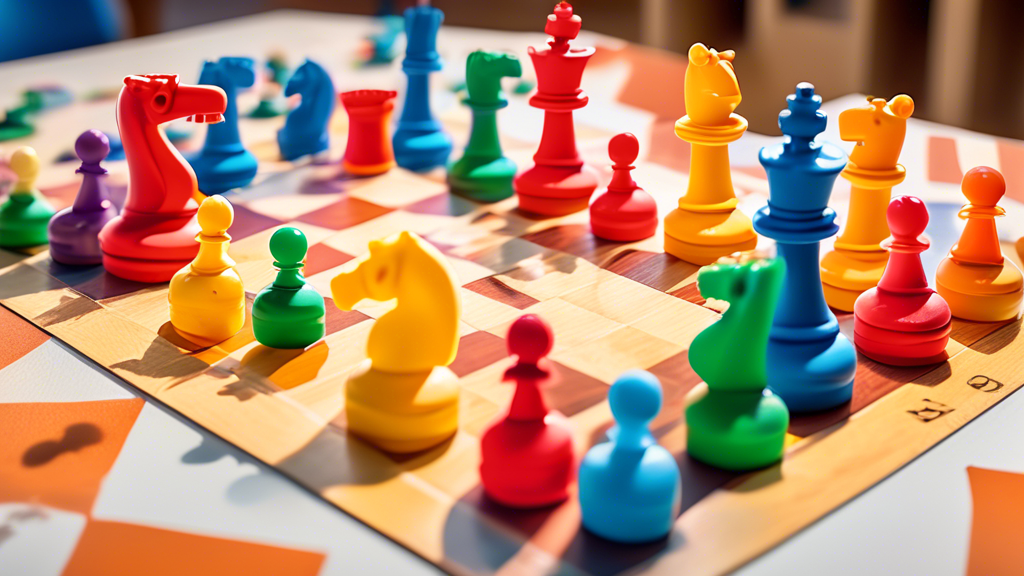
x=732 y=420
x=206 y=298
x=903 y=321
x=1020 y=248
x=527 y=458
x=857 y=260
x=74 y=231
x=559 y=182
x=484 y=173
x=271 y=104
x=305 y=130
x=813 y=363
x=154 y=236
x=223 y=162
x=25 y=214
x=420 y=141
x=288 y=313
x=404 y=398
x=17 y=123
x=630 y=486
x=625 y=212
x=977 y=282
x=380 y=48
x=368 y=151
x=707 y=225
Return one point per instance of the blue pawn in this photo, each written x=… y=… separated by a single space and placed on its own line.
x=629 y=486
x=224 y=163
x=305 y=130
x=811 y=364
x=420 y=142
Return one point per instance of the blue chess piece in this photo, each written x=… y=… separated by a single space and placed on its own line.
x=224 y=163
x=629 y=486
x=811 y=364
x=305 y=130
x=420 y=142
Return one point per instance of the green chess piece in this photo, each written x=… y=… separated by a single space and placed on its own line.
x=25 y=215
x=271 y=105
x=732 y=420
x=17 y=124
x=288 y=313
x=484 y=173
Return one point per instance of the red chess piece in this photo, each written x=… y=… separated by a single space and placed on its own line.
x=903 y=321
x=369 y=150
x=527 y=457
x=625 y=213
x=559 y=183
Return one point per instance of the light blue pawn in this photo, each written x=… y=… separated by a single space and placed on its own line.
x=629 y=486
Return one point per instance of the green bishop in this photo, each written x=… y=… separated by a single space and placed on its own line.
x=289 y=313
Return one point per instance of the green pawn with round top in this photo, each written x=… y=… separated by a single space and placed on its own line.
x=732 y=420
x=288 y=313
x=25 y=214
x=484 y=173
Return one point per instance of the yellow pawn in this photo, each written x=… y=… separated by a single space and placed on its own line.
x=707 y=225
x=404 y=398
x=856 y=262
x=25 y=214
x=975 y=280
x=207 y=299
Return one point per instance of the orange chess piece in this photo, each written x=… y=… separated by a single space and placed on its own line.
x=707 y=225
x=977 y=282
x=857 y=261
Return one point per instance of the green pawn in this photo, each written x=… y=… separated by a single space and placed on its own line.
x=732 y=420
x=484 y=173
x=25 y=215
x=288 y=313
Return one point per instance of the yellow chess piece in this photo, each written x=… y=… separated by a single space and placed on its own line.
x=1020 y=248
x=207 y=299
x=25 y=214
x=404 y=398
x=975 y=280
x=857 y=261
x=707 y=225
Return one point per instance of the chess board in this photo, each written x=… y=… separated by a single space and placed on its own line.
x=612 y=307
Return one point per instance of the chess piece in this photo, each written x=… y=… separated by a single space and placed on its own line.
x=368 y=151
x=288 y=313
x=625 y=212
x=812 y=364
x=527 y=457
x=206 y=298
x=977 y=282
x=25 y=214
x=381 y=47
x=420 y=141
x=17 y=123
x=903 y=321
x=223 y=162
x=404 y=398
x=74 y=231
x=305 y=131
x=1020 y=248
x=559 y=183
x=857 y=260
x=707 y=225
x=732 y=420
x=484 y=173
x=271 y=104
x=154 y=236
x=629 y=486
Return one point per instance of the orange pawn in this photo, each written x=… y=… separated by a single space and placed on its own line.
x=625 y=212
x=977 y=282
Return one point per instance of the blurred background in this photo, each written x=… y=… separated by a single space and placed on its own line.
x=958 y=59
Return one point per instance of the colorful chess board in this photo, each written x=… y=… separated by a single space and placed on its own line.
x=612 y=307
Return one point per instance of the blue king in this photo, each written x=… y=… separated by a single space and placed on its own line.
x=810 y=363
x=420 y=142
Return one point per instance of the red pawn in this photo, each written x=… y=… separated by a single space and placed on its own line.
x=527 y=458
x=625 y=213
x=369 y=150
x=903 y=321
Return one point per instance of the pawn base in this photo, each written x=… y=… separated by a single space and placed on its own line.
x=812 y=375
x=528 y=464
x=288 y=319
x=402 y=413
x=217 y=173
x=555 y=190
x=420 y=150
x=74 y=236
x=735 y=430
x=149 y=247
x=367 y=169
x=482 y=179
x=980 y=293
x=901 y=348
x=703 y=238
x=624 y=217
x=23 y=221
x=846 y=275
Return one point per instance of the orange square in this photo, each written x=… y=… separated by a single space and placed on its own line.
x=997 y=524
x=17 y=337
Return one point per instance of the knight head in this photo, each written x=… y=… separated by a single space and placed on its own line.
x=160 y=98
x=375 y=275
x=484 y=71
x=878 y=128
x=711 y=89
x=302 y=78
x=229 y=72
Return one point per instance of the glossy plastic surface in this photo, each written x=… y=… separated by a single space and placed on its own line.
x=223 y=162
x=74 y=231
x=368 y=151
x=305 y=130
x=625 y=212
x=288 y=313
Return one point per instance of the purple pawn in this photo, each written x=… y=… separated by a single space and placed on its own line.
x=74 y=231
